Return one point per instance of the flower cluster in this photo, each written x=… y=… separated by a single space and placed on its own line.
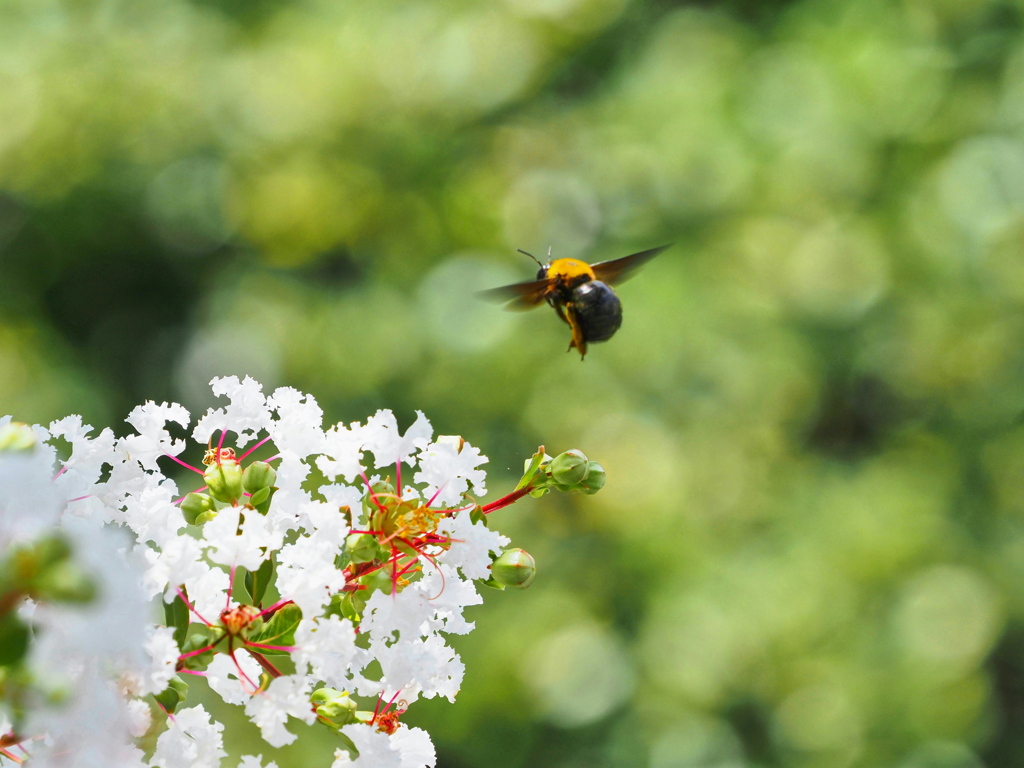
x=301 y=586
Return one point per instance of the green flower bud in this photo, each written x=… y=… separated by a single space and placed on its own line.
x=361 y=547
x=333 y=705
x=378 y=579
x=17 y=437
x=49 y=551
x=29 y=564
x=369 y=506
x=224 y=480
x=195 y=504
x=64 y=582
x=258 y=475
x=352 y=605
x=595 y=479
x=514 y=568
x=569 y=468
x=205 y=517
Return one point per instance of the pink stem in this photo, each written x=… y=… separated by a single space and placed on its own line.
x=276 y=606
x=257 y=445
x=241 y=673
x=191 y=607
x=436 y=494
x=369 y=488
x=265 y=647
x=504 y=501
x=184 y=464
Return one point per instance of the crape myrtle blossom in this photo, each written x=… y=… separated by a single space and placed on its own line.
x=72 y=616
x=304 y=589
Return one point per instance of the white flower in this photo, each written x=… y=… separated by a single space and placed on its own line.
x=415 y=747
x=139 y=717
x=249 y=761
x=342 y=453
x=85 y=649
x=163 y=654
x=298 y=426
x=449 y=471
x=471 y=545
x=224 y=678
x=405 y=748
x=179 y=562
x=405 y=612
x=427 y=667
x=246 y=416
x=191 y=739
x=381 y=437
x=152 y=515
x=328 y=646
x=306 y=573
x=375 y=749
x=233 y=542
x=449 y=595
x=29 y=504
x=269 y=710
x=150 y=421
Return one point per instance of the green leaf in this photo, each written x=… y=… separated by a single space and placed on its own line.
x=477 y=515
x=201 y=637
x=348 y=745
x=531 y=468
x=280 y=630
x=14 y=637
x=260 y=496
x=172 y=695
x=176 y=616
x=264 y=506
x=256 y=583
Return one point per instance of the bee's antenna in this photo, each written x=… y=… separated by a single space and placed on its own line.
x=532 y=256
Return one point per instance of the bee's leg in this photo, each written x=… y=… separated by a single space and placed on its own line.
x=577 y=333
x=560 y=311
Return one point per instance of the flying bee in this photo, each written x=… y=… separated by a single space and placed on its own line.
x=580 y=293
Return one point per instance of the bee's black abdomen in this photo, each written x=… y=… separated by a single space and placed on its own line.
x=598 y=310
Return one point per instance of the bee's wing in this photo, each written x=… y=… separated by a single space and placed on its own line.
x=618 y=270
x=519 y=295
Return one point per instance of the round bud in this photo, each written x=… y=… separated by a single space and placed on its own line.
x=258 y=475
x=361 y=547
x=224 y=480
x=334 y=705
x=195 y=504
x=595 y=479
x=205 y=517
x=569 y=468
x=514 y=569
x=371 y=507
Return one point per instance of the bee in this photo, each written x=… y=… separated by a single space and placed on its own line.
x=580 y=293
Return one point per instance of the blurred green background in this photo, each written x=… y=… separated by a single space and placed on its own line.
x=810 y=550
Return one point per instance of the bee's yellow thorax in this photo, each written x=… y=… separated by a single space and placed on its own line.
x=570 y=269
